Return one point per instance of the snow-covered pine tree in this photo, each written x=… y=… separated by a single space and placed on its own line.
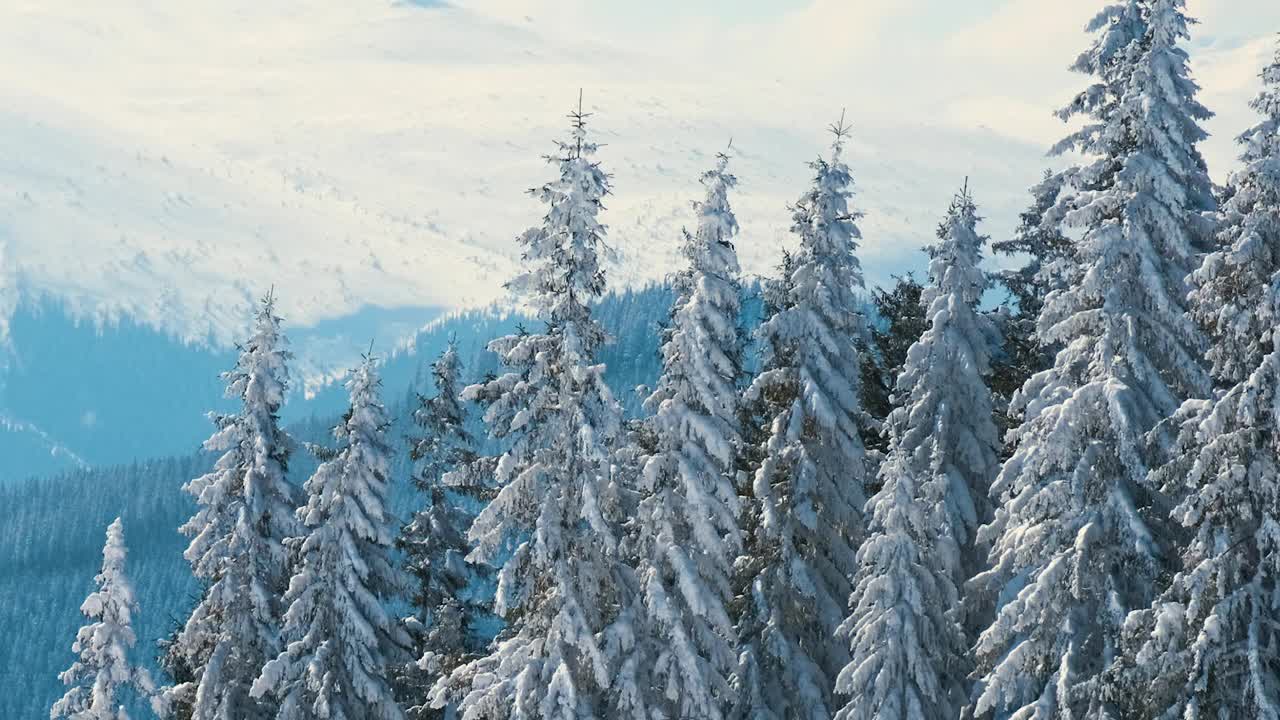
x=103 y=645
x=687 y=524
x=776 y=292
x=245 y=511
x=340 y=639
x=1232 y=288
x=453 y=478
x=748 y=691
x=900 y=321
x=177 y=672
x=553 y=524
x=1207 y=648
x=1047 y=251
x=1073 y=548
x=905 y=627
x=1041 y=243
x=808 y=492
x=954 y=357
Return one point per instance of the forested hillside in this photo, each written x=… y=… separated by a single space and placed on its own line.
x=54 y=524
x=78 y=392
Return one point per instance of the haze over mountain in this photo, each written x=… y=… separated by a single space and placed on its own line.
x=171 y=161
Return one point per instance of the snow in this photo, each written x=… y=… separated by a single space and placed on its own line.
x=1079 y=528
x=185 y=240
x=104 y=644
x=353 y=154
x=99 y=177
x=686 y=529
x=558 y=499
x=340 y=640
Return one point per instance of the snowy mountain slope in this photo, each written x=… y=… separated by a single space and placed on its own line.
x=171 y=161
x=77 y=394
x=29 y=449
x=145 y=393
x=109 y=225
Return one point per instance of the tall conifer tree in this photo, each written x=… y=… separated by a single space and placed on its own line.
x=553 y=525
x=809 y=489
x=1074 y=545
x=688 y=518
x=1048 y=258
x=899 y=323
x=909 y=649
x=245 y=511
x=454 y=479
x=1210 y=645
x=103 y=646
x=340 y=639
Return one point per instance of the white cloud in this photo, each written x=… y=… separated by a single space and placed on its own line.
x=1022 y=32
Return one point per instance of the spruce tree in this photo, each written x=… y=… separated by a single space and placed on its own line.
x=177 y=671
x=688 y=518
x=340 y=640
x=808 y=492
x=909 y=648
x=749 y=693
x=1232 y=287
x=237 y=537
x=1074 y=545
x=1041 y=243
x=453 y=478
x=103 y=668
x=553 y=525
x=1047 y=251
x=1207 y=648
x=900 y=321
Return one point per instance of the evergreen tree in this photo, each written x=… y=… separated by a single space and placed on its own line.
x=1042 y=243
x=809 y=489
x=777 y=290
x=905 y=627
x=1074 y=550
x=177 y=670
x=1231 y=289
x=687 y=520
x=237 y=549
x=1047 y=251
x=1208 y=646
x=553 y=524
x=452 y=475
x=340 y=639
x=900 y=323
x=103 y=646
x=749 y=692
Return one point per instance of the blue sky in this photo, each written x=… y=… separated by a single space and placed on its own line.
x=169 y=159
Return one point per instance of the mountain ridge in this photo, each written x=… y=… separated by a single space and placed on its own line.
x=55 y=522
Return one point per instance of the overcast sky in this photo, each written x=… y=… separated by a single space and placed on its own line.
x=1000 y=64
x=172 y=153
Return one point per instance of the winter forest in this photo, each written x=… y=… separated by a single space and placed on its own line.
x=1047 y=493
